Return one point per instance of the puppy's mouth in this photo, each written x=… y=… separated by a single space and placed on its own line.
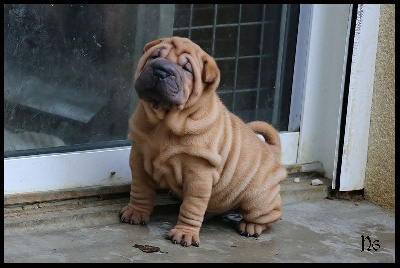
x=161 y=84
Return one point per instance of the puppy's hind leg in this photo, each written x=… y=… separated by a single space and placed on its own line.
x=261 y=208
x=254 y=226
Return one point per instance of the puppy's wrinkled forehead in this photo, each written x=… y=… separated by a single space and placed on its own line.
x=172 y=48
x=184 y=45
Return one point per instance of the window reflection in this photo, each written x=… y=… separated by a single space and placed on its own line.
x=68 y=73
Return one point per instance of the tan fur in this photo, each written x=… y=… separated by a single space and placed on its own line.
x=203 y=153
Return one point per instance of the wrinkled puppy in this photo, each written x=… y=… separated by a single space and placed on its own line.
x=184 y=139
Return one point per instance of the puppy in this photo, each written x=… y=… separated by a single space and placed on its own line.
x=185 y=139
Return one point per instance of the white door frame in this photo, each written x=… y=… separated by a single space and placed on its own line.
x=355 y=144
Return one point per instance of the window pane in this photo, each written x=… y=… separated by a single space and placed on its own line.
x=227 y=68
x=224 y=47
x=252 y=13
x=250 y=40
x=228 y=13
x=202 y=14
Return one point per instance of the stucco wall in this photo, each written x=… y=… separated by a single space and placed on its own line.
x=380 y=171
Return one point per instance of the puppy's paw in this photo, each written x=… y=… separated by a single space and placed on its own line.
x=250 y=229
x=132 y=216
x=184 y=237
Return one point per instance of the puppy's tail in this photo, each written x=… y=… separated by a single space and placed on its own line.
x=269 y=133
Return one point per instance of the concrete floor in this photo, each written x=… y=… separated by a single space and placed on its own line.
x=321 y=230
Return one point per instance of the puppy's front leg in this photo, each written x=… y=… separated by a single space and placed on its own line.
x=142 y=195
x=197 y=184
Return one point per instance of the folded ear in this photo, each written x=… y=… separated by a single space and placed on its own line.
x=151 y=44
x=210 y=70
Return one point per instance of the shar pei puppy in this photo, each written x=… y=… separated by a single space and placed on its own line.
x=184 y=139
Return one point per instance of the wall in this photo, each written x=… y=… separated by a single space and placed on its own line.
x=380 y=171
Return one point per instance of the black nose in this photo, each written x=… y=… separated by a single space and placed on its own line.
x=162 y=74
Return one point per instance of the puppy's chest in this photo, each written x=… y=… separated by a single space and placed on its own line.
x=163 y=159
x=165 y=155
x=164 y=165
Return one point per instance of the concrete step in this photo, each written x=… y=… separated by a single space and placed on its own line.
x=95 y=210
x=292 y=192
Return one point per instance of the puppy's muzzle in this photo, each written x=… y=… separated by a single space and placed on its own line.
x=160 y=83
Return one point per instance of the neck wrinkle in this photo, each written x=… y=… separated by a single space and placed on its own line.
x=195 y=119
x=154 y=116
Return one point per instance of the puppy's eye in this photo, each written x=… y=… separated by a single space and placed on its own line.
x=187 y=67
x=155 y=54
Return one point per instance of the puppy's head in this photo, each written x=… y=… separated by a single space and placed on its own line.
x=174 y=73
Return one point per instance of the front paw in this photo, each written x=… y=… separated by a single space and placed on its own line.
x=184 y=236
x=133 y=216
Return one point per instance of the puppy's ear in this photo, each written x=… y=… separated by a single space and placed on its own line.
x=210 y=70
x=151 y=44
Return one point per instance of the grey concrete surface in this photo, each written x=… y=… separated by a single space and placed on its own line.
x=322 y=230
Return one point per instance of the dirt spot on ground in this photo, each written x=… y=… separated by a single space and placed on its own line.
x=148 y=249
